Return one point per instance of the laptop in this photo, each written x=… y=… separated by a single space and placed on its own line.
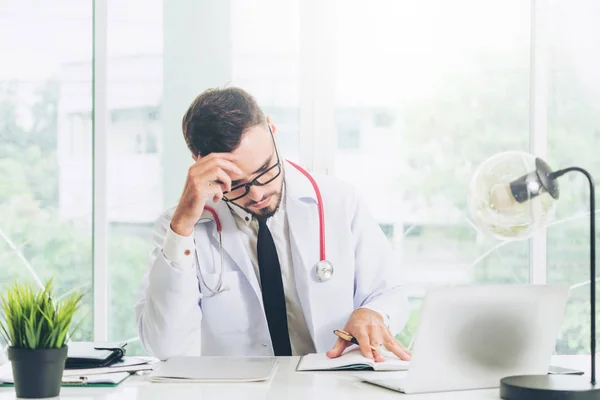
x=470 y=337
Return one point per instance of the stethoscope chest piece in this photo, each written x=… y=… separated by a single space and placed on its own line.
x=324 y=270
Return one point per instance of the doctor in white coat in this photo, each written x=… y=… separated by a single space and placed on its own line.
x=233 y=269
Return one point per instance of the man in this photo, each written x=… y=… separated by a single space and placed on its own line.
x=253 y=288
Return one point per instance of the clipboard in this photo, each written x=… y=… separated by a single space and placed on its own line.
x=96 y=380
x=100 y=380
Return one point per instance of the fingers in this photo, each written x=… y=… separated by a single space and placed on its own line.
x=208 y=178
x=211 y=182
x=209 y=186
x=365 y=344
x=219 y=177
x=376 y=342
x=221 y=160
x=207 y=167
x=338 y=348
x=228 y=156
x=212 y=174
x=211 y=156
x=395 y=347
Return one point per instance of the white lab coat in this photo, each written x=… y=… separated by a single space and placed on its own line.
x=173 y=317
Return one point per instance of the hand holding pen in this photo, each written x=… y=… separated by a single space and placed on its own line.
x=366 y=329
x=349 y=338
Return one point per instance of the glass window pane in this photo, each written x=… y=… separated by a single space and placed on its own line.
x=574 y=140
x=431 y=89
x=265 y=41
x=135 y=194
x=45 y=147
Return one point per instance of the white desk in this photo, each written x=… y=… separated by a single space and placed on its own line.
x=286 y=384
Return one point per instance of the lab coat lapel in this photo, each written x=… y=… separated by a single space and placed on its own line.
x=303 y=219
x=233 y=246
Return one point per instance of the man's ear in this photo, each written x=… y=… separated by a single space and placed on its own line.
x=273 y=126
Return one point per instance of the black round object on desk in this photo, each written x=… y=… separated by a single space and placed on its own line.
x=548 y=387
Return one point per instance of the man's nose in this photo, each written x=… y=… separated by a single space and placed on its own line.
x=256 y=193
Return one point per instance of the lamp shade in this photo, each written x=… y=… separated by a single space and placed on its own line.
x=511 y=195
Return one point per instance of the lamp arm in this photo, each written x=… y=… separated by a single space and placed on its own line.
x=555 y=175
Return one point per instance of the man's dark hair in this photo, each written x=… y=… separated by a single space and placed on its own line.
x=217 y=118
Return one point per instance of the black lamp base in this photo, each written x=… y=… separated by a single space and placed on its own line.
x=548 y=387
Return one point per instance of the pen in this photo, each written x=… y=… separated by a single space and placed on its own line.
x=348 y=337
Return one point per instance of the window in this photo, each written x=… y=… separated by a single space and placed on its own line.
x=388 y=230
x=405 y=107
x=134 y=181
x=45 y=156
x=288 y=128
x=79 y=142
x=384 y=119
x=265 y=61
x=573 y=140
x=349 y=123
x=348 y=137
x=439 y=101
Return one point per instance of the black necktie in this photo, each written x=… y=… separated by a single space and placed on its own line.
x=272 y=290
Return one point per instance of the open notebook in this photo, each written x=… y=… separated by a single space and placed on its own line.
x=352 y=359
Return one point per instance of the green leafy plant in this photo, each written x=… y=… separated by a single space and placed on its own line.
x=34 y=320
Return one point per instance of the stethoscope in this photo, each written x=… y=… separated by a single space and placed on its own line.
x=323 y=269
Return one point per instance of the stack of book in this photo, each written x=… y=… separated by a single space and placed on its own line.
x=93 y=364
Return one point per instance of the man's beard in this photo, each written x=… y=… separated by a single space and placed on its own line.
x=265 y=212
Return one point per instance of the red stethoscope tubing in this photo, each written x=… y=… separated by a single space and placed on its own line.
x=215 y=217
x=319 y=204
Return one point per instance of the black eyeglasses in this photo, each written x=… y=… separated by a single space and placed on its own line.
x=268 y=176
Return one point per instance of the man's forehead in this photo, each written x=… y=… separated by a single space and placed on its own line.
x=255 y=148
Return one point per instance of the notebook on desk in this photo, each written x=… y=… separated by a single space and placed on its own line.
x=214 y=369
x=98 y=380
x=351 y=360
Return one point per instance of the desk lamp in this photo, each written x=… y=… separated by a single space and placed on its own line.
x=510 y=196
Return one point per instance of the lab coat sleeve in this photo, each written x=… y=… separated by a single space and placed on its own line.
x=167 y=312
x=179 y=250
x=378 y=282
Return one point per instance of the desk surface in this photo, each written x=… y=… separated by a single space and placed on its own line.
x=286 y=384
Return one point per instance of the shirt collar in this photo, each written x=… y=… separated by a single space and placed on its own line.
x=244 y=215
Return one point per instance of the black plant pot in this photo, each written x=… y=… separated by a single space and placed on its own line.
x=37 y=373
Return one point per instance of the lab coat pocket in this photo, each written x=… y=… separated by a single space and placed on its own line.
x=226 y=312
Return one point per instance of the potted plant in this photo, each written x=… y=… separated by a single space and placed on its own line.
x=36 y=328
